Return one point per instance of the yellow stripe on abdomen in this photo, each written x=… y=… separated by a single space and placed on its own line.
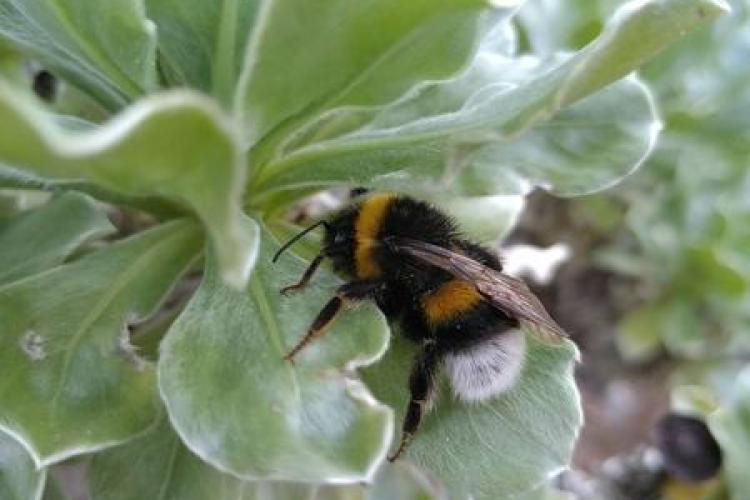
x=368 y=225
x=452 y=299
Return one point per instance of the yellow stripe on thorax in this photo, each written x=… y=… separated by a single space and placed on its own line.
x=452 y=299
x=368 y=225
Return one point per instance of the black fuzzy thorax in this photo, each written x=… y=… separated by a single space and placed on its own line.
x=409 y=218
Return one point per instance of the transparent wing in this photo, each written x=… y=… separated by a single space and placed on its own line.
x=510 y=295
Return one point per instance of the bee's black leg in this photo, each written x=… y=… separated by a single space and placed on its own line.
x=305 y=277
x=349 y=292
x=421 y=384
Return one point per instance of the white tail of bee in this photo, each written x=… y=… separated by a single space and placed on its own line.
x=488 y=368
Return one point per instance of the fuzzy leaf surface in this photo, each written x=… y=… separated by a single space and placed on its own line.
x=238 y=405
x=176 y=146
x=159 y=465
x=42 y=238
x=484 y=219
x=202 y=44
x=498 y=107
x=355 y=54
x=510 y=444
x=400 y=480
x=64 y=347
x=19 y=478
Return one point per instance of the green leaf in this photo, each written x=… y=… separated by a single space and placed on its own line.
x=731 y=427
x=693 y=400
x=42 y=238
x=682 y=331
x=17 y=180
x=177 y=146
x=202 y=44
x=706 y=271
x=711 y=91
x=640 y=332
x=107 y=48
x=510 y=444
x=553 y=26
x=158 y=465
x=19 y=478
x=580 y=150
x=404 y=481
x=546 y=492
x=238 y=405
x=484 y=219
x=685 y=232
x=8 y=207
x=355 y=54
x=72 y=382
x=14 y=201
x=481 y=116
x=400 y=480
x=638 y=31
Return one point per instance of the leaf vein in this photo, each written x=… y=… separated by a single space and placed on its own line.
x=101 y=307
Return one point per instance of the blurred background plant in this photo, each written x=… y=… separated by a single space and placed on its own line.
x=662 y=258
x=105 y=157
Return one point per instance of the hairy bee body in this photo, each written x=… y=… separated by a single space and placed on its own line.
x=447 y=294
x=480 y=347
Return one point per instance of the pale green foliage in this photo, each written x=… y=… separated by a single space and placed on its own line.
x=27 y=246
x=19 y=477
x=202 y=44
x=175 y=146
x=63 y=346
x=686 y=225
x=108 y=48
x=157 y=465
x=529 y=450
x=684 y=233
x=427 y=97
x=269 y=419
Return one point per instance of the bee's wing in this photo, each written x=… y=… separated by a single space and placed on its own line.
x=509 y=294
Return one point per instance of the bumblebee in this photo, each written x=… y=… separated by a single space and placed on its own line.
x=448 y=295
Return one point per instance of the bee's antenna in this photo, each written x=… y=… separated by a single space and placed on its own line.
x=297 y=237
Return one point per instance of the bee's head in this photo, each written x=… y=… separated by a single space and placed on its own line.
x=336 y=240
x=339 y=242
